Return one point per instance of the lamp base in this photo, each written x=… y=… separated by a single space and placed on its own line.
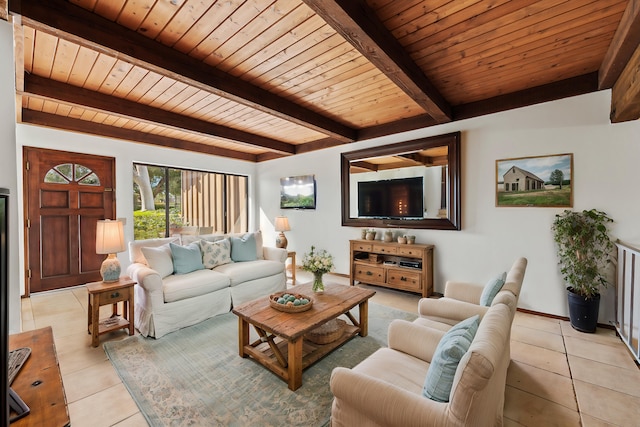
x=110 y=269
x=281 y=241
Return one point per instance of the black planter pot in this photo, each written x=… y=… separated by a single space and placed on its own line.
x=583 y=313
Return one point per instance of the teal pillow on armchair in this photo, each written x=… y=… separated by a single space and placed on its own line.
x=452 y=346
x=491 y=289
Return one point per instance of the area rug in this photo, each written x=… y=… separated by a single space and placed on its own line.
x=194 y=376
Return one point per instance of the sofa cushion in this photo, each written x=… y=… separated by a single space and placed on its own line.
x=491 y=289
x=188 y=238
x=258 y=236
x=159 y=259
x=135 y=247
x=453 y=345
x=177 y=287
x=186 y=258
x=244 y=248
x=240 y=272
x=215 y=253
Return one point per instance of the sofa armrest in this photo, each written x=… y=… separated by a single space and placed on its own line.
x=149 y=283
x=274 y=254
x=463 y=291
x=382 y=402
x=146 y=277
x=443 y=309
x=415 y=340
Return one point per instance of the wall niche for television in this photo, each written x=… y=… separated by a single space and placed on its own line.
x=381 y=185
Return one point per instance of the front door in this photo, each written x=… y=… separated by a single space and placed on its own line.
x=65 y=195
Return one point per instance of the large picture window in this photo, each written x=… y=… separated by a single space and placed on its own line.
x=170 y=200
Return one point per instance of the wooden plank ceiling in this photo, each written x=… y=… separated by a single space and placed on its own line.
x=261 y=79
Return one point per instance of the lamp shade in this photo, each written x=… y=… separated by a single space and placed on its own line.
x=282 y=223
x=109 y=237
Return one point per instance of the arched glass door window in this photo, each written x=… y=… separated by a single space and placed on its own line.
x=66 y=173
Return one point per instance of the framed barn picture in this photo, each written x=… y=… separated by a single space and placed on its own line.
x=542 y=181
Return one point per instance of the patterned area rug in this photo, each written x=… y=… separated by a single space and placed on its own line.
x=194 y=376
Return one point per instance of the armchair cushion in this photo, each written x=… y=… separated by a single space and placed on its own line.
x=159 y=259
x=244 y=248
x=453 y=345
x=491 y=289
x=215 y=253
x=186 y=258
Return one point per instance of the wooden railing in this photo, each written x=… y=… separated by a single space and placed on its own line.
x=627 y=297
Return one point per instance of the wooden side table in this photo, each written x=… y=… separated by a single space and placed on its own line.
x=101 y=293
x=292 y=255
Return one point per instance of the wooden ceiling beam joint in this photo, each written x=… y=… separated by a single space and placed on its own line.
x=625 y=95
x=625 y=41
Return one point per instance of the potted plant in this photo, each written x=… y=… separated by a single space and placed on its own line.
x=584 y=252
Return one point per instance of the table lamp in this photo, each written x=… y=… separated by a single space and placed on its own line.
x=281 y=225
x=110 y=240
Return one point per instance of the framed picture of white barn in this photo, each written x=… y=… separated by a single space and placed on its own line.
x=541 y=181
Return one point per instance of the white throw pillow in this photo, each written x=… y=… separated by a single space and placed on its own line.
x=215 y=253
x=159 y=259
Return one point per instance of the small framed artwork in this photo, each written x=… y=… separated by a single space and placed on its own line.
x=542 y=181
x=298 y=192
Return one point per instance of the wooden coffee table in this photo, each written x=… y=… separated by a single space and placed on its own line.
x=282 y=347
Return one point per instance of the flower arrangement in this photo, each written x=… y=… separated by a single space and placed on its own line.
x=319 y=263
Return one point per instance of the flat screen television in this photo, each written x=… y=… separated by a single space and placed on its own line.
x=400 y=198
x=298 y=192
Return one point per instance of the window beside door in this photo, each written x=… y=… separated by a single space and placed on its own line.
x=172 y=200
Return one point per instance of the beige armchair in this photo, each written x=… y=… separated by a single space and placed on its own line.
x=462 y=300
x=386 y=388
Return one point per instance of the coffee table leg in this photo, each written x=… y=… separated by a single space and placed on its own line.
x=364 y=318
x=295 y=364
x=243 y=336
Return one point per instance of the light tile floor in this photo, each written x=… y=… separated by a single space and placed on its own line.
x=557 y=376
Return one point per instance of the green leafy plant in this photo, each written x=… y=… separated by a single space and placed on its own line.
x=584 y=250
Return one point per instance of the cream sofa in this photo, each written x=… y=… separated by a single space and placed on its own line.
x=462 y=299
x=386 y=388
x=166 y=302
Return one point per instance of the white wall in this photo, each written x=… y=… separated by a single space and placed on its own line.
x=606 y=159
x=126 y=154
x=8 y=167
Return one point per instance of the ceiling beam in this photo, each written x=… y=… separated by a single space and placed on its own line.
x=580 y=85
x=624 y=43
x=4 y=10
x=82 y=126
x=625 y=96
x=51 y=89
x=66 y=20
x=574 y=86
x=358 y=24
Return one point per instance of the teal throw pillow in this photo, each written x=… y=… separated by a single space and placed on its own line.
x=452 y=346
x=215 y=253
x=244 y=248
x=186 y=258
x=491 y=289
